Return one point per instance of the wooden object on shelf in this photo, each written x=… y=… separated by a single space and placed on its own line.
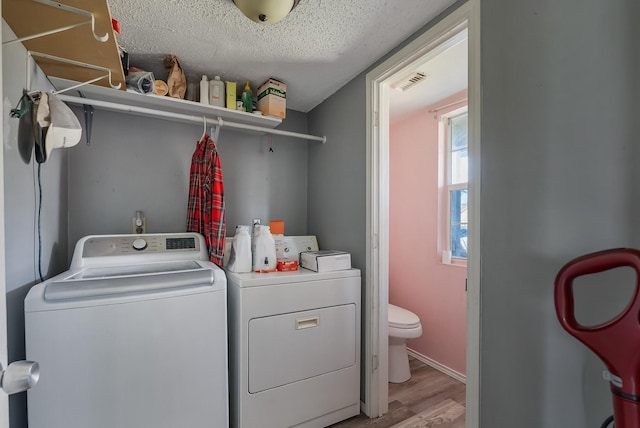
x=27 y=17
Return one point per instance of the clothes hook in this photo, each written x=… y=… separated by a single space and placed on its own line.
x=215 y=131
x=23 y=106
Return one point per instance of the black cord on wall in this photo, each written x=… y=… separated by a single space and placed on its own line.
x=607 y=421
x=39 y=220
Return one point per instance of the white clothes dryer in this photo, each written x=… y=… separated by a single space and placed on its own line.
x=134 y=334
x=294 y=346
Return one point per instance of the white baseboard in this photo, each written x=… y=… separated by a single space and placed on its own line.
x=436 y=365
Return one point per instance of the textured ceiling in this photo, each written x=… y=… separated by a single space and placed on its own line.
x=315 y=50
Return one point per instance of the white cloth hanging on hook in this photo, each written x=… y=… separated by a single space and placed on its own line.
x=54 y=125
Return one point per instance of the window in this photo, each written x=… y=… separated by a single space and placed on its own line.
x=457 y=183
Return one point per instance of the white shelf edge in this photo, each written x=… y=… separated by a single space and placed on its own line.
x=167 y=104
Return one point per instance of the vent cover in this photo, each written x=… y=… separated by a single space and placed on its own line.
x=409 y=81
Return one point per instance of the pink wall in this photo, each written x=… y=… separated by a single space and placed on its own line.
x=418 y=280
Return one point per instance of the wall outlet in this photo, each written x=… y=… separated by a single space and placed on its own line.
x=139 y=225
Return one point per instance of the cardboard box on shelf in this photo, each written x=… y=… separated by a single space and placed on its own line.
x=272 y=98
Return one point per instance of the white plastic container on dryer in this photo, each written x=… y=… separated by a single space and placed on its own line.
x=240 y=258
x=264 y=250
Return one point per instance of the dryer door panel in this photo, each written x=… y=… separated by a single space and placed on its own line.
x=292 y=347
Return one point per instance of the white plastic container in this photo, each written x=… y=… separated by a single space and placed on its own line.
x=216 y=92
x=240 y=257
x=204 y=90
x=264 y=250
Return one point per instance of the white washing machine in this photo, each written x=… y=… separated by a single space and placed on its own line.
x=294 y=346
x=134 y=335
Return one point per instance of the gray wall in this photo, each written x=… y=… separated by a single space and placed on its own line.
x=559 y=179
x=140 y=163
x=337 y=174
x=21 y=192
x=559 y=131
x=21 y=204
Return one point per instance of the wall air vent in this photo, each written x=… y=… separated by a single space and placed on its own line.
x=409 y=81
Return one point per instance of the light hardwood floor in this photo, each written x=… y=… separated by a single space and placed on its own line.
x=429 y=399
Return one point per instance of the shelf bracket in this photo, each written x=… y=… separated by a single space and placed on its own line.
x=45 y=33
x=72 y=9
x=79 y=12
x=72 y=62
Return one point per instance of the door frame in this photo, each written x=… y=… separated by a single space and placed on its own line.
x=377 y=218
x=4 y=398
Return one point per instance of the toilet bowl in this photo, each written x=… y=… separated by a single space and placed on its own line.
x=403 y=325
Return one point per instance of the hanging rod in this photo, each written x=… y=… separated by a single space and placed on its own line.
x=67 y=8
x=187 y=118
x=438 y=108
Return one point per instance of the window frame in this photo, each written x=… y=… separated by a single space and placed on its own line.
x=447 y=187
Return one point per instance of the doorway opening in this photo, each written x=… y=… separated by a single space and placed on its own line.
x=462 y=23
x=428 y=215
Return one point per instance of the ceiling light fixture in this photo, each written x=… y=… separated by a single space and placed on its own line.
x=266 y=11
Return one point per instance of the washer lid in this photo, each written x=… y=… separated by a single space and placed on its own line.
x=402 y=318
x=123 y=280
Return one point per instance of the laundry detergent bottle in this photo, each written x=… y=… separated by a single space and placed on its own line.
x=216 y=92
x=264 y=252
x=240 y=257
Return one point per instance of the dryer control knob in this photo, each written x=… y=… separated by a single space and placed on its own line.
x=139 y=244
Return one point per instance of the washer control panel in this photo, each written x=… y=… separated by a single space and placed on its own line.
x=119 y=245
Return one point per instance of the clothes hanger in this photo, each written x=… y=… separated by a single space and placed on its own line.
x=215 y=130
x=204 y=127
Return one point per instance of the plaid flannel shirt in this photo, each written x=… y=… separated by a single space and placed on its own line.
x=205 y=209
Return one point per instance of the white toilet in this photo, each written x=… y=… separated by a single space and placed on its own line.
x=403 y=325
